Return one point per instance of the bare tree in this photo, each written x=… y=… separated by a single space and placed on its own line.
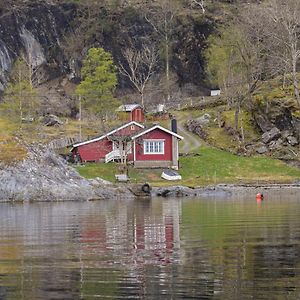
x=139 y=66
x=200 y=3
x=235 y=61
x=162 y=20
x=278 y=24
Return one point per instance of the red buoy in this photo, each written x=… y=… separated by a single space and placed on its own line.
x=259 y=197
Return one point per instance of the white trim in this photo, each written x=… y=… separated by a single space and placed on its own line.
x=153 y=152
x=134 y=155
x=154 y=140
x=108 y=134
x=158 y=127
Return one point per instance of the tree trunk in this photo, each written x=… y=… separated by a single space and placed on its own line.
x=236 y=116
x=142 y=98
x=20 y=98
x=167 y=69
x=295 y=80
x=242 y=130
x=80 y=116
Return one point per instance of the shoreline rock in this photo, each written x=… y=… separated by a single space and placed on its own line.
x=44 y=176
x=224 y=190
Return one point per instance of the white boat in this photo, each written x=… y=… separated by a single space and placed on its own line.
x=170 y=175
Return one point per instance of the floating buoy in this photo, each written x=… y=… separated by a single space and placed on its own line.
x=259 y=197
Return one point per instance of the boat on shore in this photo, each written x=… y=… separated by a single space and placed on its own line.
x=170 y=175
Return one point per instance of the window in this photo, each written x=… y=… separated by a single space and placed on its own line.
x=154 y=147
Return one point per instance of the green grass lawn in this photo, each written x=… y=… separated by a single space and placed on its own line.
x=209 y=166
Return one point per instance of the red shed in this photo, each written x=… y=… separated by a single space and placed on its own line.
x=134 y=112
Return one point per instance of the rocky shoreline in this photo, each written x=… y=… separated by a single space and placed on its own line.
x=44 y=176
x=226 y=190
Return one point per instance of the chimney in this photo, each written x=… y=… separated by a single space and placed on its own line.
x=174 y=125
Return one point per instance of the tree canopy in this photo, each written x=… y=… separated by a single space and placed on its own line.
x=99 y=81
x=20 y=98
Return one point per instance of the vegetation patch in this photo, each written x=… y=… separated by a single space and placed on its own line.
x=208 y=166
x=11 y=151
x=213 y=166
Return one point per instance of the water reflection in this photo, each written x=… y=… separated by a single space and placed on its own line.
x=158 y=249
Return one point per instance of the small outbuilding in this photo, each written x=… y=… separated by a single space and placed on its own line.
x=132 y=112
x=215 y=93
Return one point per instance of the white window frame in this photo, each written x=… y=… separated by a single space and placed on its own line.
x=162 y=150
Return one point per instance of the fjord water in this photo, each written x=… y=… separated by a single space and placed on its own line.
x=151 y=249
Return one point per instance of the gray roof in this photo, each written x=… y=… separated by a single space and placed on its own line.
x=128 y=107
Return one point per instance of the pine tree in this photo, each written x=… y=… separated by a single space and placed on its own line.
x=99 y=80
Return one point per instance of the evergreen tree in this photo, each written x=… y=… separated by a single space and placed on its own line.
x=99 y=80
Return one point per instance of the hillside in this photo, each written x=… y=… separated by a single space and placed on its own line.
x=55 y=36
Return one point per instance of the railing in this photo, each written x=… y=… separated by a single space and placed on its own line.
x=63 y=142
x=115 y=154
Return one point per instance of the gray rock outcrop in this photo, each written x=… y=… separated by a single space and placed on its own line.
x=183 y=191
x=271 y=135
x=52 y=120
x=44 y=176
x=261 y=149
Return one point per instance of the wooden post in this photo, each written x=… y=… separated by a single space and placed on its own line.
x=80 y=112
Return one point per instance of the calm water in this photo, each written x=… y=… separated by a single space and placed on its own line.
x=158 y=249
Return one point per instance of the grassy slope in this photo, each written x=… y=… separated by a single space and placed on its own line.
x=11 y=149
x=209 y=166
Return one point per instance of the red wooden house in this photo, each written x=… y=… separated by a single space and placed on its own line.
x=104 y=148
x=153 y=147
x=156 y=147
x=133 y=112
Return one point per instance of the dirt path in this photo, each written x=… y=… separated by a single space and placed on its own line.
x=191 y=142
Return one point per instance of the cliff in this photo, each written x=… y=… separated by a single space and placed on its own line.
x=35 y=29
x=45 y=32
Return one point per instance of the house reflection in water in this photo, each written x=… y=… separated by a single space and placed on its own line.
x=149 y=228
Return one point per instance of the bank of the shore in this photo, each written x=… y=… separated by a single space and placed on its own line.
x=227 y=190
x=208 y=166
x=44 y=176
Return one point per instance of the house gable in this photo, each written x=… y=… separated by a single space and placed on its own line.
x=121 y=129
x=156 y=147
x=153 y=149
x=139 y=134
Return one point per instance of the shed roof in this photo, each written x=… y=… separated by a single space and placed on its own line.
x=149 y=129
x=128 y=107
x=108 y=134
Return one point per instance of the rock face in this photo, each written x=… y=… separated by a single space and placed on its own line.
x=37 y=30
x=182 y=191
x=52 y=120
x=197 y=128
x=271 y=135
x=280 y=128
x=46 y=177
